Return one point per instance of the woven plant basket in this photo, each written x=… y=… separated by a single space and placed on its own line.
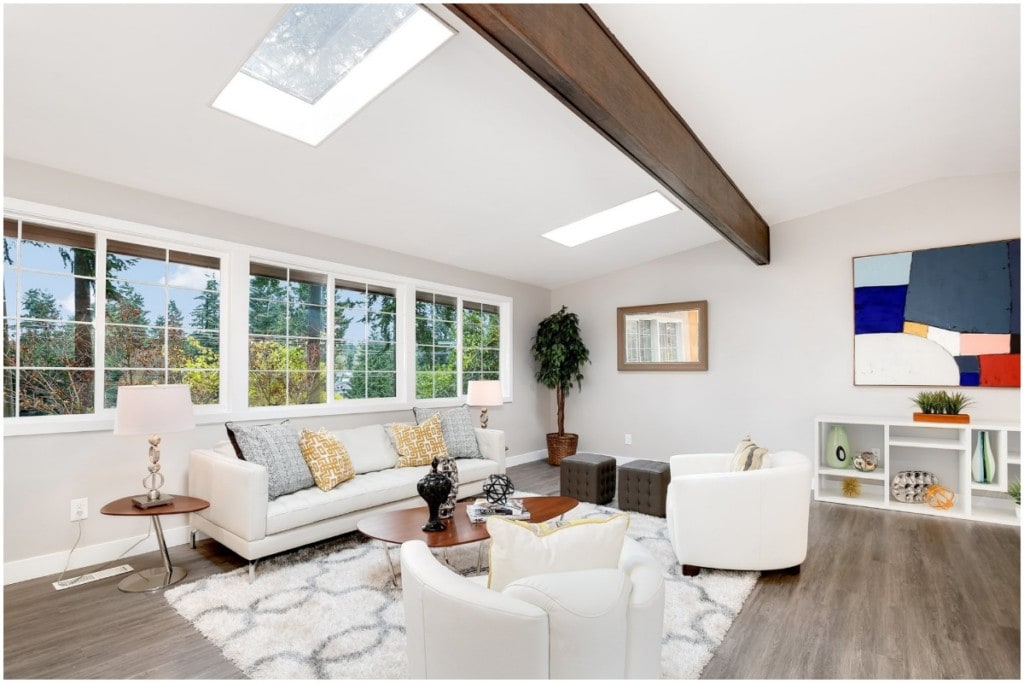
x=561 y=447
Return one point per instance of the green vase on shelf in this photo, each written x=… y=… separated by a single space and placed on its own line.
x=837 y=448
x=983 y=466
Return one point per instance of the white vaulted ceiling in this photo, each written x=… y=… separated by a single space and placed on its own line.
x=467 y=161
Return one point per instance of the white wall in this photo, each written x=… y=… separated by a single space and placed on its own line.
x=780 y=336
x=43 y=473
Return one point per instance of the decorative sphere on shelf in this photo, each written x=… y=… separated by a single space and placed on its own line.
x=939 y=497
x=498 y=488
x=865 y=462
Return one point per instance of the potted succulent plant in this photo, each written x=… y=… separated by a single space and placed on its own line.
x=560 y=353
x=941 y=406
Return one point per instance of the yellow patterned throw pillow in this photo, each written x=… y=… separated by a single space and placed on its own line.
x=327 y=459
x=419 y=444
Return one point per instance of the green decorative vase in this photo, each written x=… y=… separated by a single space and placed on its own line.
x=983 y=466
x=837 y=448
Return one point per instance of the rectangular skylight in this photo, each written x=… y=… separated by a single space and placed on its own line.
x=320 y=64
x=627 y=215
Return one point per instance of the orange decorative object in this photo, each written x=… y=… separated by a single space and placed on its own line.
x=959 y=418
x=939 y=497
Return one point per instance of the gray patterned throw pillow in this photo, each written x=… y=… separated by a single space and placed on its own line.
x=457 y=430
x=276 y=447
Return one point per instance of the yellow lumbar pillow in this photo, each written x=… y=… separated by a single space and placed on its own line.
x=326 y=457
x=520 y=549
x=419 y=444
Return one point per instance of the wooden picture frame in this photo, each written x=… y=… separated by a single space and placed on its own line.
x=670 y=337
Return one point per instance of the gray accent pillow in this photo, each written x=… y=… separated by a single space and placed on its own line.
x=457 y=430
x=276 y=447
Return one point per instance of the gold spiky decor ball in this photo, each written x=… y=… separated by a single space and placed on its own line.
x=851 y=487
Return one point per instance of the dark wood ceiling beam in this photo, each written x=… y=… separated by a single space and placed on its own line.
x=569 y=51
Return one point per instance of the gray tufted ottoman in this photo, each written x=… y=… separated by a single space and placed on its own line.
x=588 y=477
x=643 y=485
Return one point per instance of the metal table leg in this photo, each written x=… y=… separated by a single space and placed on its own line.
x=391 y=565
x=156 y=578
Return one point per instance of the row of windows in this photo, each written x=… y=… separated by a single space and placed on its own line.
x=84 y=314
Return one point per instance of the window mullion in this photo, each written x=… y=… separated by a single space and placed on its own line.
x=167 y=317
x=99 y=322
x=329 y=339
x=459 y=353
x=16 y=315
x=237 y=382
x=408 y=305
x=405 y=342
x=505 y=350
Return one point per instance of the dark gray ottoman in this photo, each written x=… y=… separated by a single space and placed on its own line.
x=589 y=477
x=643 y=485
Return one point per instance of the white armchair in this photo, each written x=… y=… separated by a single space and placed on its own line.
x=596 y=623
x=754 y=520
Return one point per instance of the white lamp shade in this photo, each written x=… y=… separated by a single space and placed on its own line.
x=485 y=392
x=153 y=409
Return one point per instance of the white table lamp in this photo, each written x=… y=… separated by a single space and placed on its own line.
x=483 y=393
x=148 y=409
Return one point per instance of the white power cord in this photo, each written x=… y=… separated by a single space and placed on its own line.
x=78 y=539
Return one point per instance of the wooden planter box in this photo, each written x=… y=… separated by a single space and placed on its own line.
x=962 y=418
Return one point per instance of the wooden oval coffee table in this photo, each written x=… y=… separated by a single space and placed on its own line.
x=398 y=526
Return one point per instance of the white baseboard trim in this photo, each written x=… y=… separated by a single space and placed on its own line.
x=84 y=556
x=524 y=458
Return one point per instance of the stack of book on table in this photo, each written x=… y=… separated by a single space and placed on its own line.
x=481 y=509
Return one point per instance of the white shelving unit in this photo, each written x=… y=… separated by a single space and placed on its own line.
x=943 y=449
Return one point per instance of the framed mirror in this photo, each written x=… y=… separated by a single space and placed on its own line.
x=669 y=337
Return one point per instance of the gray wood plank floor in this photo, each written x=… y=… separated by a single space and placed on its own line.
x=881 y=595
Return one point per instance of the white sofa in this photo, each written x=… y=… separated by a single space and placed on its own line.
x=242 y=518
x=753 y=520
x=589 y=624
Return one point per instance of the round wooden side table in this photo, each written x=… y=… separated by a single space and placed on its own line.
x=156 y=578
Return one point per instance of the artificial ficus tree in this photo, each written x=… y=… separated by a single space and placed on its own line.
x=560 y=353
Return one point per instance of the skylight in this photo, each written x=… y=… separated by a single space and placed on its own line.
x=627 y=215
x=320 y=64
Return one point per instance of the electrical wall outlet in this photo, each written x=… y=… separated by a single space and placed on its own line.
x=629 y=439
x=79 y=509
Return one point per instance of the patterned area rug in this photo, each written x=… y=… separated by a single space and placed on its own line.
x=330 y=610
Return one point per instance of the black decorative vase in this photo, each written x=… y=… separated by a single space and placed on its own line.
x=434 y=488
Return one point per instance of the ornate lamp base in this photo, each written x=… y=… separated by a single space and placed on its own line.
x=145 y=502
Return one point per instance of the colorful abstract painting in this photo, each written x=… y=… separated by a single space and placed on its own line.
x=938 y=317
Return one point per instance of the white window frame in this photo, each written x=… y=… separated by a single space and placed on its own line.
x=461 y=296
x=105 y=229
x=333 y=273
x=234 y=338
